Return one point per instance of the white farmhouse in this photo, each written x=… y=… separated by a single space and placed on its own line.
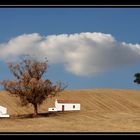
x=65 y=105
x=3 y=112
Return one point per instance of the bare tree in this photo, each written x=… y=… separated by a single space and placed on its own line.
x=29 y=85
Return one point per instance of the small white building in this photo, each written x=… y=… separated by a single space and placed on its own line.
x=3 y=112
x=65 y=105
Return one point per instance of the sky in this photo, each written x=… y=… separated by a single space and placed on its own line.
x=86 y=48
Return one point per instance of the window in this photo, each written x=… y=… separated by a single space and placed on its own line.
x=73 y=106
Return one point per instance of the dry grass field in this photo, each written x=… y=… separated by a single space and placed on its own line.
x=102 y=110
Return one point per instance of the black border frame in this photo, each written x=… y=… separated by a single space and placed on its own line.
x=66 y=4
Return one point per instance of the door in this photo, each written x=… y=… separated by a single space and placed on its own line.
x=63 y=108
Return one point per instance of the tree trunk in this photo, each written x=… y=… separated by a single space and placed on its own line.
x=35 y=110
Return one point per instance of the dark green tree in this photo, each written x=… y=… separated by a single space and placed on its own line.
x=137 y=78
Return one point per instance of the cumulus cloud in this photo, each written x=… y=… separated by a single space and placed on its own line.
x=81 y=54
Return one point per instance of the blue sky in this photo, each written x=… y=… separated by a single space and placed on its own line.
x=120 y=23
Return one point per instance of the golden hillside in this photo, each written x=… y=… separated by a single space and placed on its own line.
x=102 y=110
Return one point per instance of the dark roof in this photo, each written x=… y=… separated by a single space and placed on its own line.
x=67 y=101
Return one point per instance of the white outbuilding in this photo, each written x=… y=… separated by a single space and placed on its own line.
x=3 y=112
x=65 y=105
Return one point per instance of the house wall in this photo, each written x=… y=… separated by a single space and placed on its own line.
x=3 y=110
x=53 y=109
x=67 y=106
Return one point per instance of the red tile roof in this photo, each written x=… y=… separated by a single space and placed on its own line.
x=67 y=101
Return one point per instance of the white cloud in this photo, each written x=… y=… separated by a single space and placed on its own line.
x=82 y=54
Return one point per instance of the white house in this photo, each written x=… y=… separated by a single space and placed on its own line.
x=3 y=112
x=65 y=105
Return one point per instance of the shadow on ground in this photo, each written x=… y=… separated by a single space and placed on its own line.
x=27 y=116
x=40 y=115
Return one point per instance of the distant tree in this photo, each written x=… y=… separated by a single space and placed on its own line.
x=137 y=78
x=29 y=85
